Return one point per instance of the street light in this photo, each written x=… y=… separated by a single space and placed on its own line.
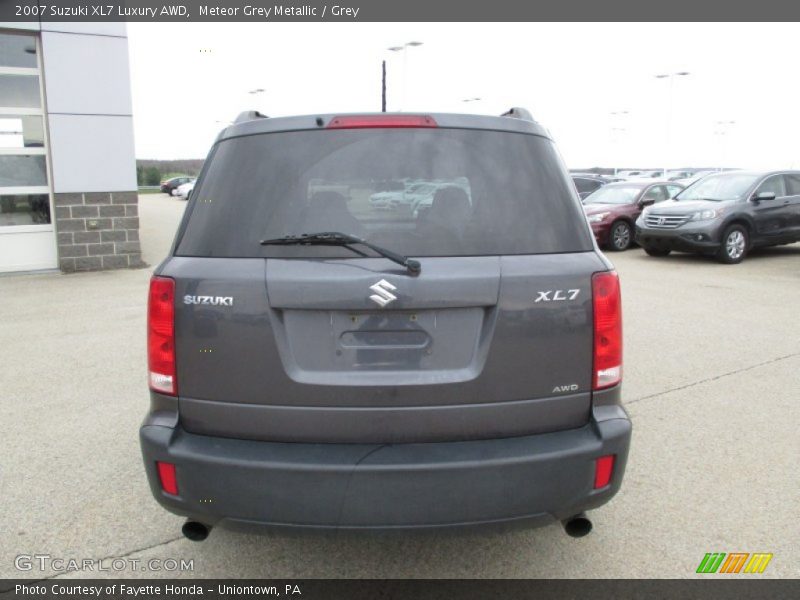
x=404 y=49
x=617 y=130
x=252 y=97
x=721 y=129
x=671 y=77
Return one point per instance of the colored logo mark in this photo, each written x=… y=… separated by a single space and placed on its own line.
x=734 y=562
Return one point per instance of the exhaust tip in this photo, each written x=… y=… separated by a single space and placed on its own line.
x=195 y=531
x=577 y=526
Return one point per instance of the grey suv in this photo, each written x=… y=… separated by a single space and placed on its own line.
x=317 y=362
x=725 y=214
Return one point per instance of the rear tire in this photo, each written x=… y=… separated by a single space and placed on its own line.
x=653 y=251
x=620 y=236
x=735 y=242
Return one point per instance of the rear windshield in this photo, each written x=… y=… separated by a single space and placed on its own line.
x=419 y=192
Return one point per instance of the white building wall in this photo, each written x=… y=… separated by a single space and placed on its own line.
x=88 y=98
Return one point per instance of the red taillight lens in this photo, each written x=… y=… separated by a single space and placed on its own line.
x=607 y=304
x=390 y=121
x=169 y=481
x=603 y=469
x=161 y=336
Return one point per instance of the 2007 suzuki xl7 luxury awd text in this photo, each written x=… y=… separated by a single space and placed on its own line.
x=316 y=361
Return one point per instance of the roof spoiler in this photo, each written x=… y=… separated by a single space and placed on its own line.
x=515 y=112
x=249 y=115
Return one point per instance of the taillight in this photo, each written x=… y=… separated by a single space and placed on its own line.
x=607 y=305
x=161 y=336
x=168 y=478
x=385 y=121
x=603 y=469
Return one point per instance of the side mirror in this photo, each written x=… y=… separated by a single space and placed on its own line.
x=761 y=196
x=647 y=201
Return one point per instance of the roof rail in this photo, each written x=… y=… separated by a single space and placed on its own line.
x=515 y=112
x=249 y=115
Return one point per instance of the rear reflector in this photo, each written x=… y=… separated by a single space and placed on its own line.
x=381 y=121
x=161 y=336
x=603 y=469
x=166 y=473
x=607 y=305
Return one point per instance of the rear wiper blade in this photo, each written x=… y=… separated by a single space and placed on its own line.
x=336 y=238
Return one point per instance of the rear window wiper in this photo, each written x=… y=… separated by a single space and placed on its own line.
x=336 y=238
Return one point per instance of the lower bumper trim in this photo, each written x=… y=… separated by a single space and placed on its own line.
x=244 y=484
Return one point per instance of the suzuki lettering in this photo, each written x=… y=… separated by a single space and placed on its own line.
x=212 y=300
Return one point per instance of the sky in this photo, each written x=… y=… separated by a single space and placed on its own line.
x=737 y=107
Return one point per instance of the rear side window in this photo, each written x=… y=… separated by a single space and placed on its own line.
x=420 y=192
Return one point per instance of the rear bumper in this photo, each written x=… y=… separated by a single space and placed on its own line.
x=244 y=484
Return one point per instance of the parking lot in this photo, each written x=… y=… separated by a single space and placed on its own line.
x=712 y=357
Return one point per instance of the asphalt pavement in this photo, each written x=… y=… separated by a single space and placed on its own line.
x=712 y=383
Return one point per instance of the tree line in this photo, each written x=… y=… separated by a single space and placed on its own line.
x=152 y=172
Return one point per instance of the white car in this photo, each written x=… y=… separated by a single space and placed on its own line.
x=410 y=196
x=183 y=191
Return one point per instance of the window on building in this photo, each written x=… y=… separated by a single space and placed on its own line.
x=24 y=181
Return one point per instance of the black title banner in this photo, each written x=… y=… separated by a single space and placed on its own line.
x=416 y=589
x=395 y=10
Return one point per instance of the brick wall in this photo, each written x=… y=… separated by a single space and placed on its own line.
x=98 y=230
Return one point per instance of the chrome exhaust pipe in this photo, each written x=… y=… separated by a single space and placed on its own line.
x=577 y=525
x=195 y=531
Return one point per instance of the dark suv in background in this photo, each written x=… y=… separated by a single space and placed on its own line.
x=316 y=361
x=725 y=215
x=587 y=183
x=613 y=209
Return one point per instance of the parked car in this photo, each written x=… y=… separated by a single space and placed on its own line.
x=184 y=190
x=586 y=183
x=628 y=174
x=423 y=202
x=168 y=185
x=408 y=196
x=696 y=176
x=613 y=209
x=678 y=174
x=304 y=371
x=648 y=175
x=725 y=214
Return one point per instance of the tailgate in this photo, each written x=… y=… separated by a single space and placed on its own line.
x=473 y=347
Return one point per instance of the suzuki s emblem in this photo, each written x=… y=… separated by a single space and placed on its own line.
x=383 y=293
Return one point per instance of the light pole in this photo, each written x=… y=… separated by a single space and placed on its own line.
x=617 y=130
x=404 y=49
x=671 y=77
x=471 y=100
x=251 y=97
x=721 y=129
